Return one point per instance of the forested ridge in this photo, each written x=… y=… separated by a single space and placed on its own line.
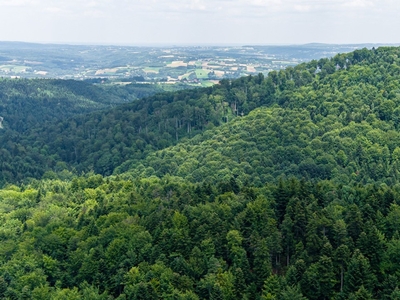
x=283 y=187
x=336 y=99
x=330 y=89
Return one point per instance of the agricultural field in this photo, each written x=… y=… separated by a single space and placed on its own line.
x=186 y=65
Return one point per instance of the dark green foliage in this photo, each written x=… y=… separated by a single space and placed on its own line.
x=359 y=274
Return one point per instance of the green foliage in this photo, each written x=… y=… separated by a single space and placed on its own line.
x=157 y=238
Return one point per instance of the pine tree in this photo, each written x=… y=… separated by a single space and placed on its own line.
x=389 y=286
x=3 y=287
x=358 y=274
x=272 y=288
x=281 y=196
x=361 y=294
x=292 y=293
x=216 y=293
x=239 y=282
x=342 y=255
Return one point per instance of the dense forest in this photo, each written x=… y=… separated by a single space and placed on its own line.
x=340 y=117
x=27 y=103
x=277 y=187
x=107 y=238
x=28 y=106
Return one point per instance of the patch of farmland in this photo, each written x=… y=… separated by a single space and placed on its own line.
x=201 y=73
x=251 y=69
x=151 y=70
x=106 y=71
x=177 y=63
x=13 y=68
x=214 y=67
x=219 y=73
x=184 y=76
x=208 y=83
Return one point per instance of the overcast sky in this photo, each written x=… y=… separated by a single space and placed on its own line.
x=139 y=22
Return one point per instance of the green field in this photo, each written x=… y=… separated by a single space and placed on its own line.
x=207 y=83
x=151 y=70
x=186 y=75
x=202 y=74
x=13 y=68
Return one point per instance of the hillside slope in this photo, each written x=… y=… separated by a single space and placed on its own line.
x=103 y=140
x=341 y=126
x=31 y=103
x=35 y=105
x=351 y=95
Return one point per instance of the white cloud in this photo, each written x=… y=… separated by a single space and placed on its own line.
x=16 y=3
x=262 y=21
x=358 y=4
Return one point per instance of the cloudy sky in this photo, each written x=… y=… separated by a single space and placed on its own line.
x=139 y=22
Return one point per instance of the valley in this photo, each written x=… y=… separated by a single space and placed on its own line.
x=282 y=184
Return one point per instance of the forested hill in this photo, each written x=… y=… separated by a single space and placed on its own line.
x=334 y=118
x=343 y=125
x=334 y=100
x=96 y=238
